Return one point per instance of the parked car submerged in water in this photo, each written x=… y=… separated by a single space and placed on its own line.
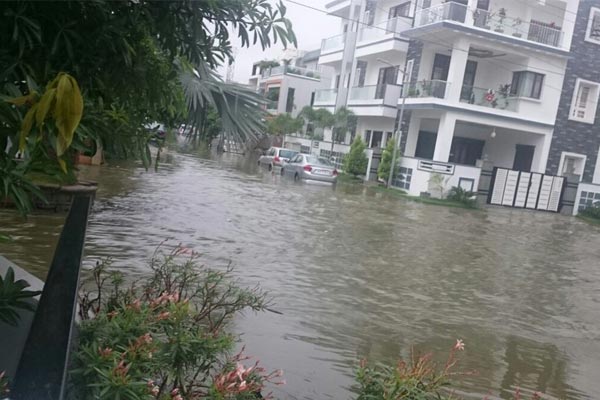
x=276 y=157
x=308 y=167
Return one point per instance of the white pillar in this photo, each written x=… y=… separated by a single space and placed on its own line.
x=412 y=136
x=540 y=155
x=471 y=7
x=568 y=23
x=444 y=138
x=456 y=71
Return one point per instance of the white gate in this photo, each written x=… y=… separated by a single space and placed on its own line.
x=526 y=190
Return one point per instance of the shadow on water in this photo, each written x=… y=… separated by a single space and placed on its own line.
x=357 y=273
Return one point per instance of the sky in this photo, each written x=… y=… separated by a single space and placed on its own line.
x=309 y=25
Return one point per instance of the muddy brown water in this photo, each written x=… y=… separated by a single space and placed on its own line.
x=356 y=273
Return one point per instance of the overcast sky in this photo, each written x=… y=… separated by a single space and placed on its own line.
x=309 y=25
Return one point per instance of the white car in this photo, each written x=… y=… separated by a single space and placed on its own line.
x=276 y=157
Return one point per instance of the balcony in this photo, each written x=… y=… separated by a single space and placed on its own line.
x=424 y=89
x=291 y=70
x=382 y=37
x=332 y=44
x=500 y=99
x=376 y=100
x=498 y=22
x=325 y=97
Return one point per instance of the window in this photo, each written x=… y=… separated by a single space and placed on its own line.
x=527 y=84
x=289 y=104
x=408 y=71
x=584 y=101
x=368 y=138
x=593 y=29
x=571 y=164
x=401 y=10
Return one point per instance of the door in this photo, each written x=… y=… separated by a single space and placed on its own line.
x=439 y=75
x=426 y=145
x=466 y=93
x=387 y=75
x=466 y=151
x=377 y=138
x=523 y=157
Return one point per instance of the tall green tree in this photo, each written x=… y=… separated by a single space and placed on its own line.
x=383 y=171
x=356 y=161
x=284 y=124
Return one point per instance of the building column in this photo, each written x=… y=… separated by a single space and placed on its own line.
x=471 y=7
x=412 y=136
x=568 y=23
x=444 y=138
x=540 y=156
x=456 y=71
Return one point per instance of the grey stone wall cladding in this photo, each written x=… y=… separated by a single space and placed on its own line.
x=569 y=135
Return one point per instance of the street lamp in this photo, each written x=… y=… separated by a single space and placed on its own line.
x=398 y=133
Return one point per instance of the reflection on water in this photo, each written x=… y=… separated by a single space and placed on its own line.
x=358 y=274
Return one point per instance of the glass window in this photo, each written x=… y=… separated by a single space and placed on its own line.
x=287 y=153
x=401 y=10
x=527 y=84
x=593 y=28
x=584 y=101
x=289 y=104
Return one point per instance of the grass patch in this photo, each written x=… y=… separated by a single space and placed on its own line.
x=425 y=200
x=347 y=178
x=588 y=219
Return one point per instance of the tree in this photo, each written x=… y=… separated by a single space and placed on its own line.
x=356 y=162
x=284 y=124
x=320 y=118
x=383 y=171
x=136 y=62
x=344 y=121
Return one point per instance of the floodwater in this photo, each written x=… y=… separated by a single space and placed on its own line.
x=356 y=273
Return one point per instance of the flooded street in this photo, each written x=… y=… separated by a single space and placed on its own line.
x=359 y=274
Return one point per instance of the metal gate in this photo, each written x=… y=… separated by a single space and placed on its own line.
x=530 y=190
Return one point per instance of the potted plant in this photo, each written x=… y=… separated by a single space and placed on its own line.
x=516 y=26
x=500 y=21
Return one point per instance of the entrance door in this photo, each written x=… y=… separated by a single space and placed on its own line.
x=466 y=151
x=439 y=75
x=426 y=145
x=466 y=94
x=387 y=75
x=523 y=157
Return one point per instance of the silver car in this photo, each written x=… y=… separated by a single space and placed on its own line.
x=276 y=157
x=305 y=166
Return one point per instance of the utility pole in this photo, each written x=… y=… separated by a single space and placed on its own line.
x=398 y=133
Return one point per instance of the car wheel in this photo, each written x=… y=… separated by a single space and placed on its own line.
x=282 y=172
x=270 y=167
x=296 y=177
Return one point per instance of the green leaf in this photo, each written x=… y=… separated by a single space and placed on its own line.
x=68 y=111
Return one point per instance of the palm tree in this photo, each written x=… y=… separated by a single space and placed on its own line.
x=344 y=120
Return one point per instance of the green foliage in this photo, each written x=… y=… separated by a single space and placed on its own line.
x=356 y=162
x=344 y=120
x=13 y=297
x=165 y=336
x=15 y=186
x=592 y=211
x=383 y=171
x=460 y=195
x=284 y=124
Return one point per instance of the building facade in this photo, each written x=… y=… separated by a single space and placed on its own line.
x=480 y=81
x=290 y=82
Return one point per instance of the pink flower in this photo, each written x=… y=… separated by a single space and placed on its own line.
x=163 y=315
x=155 y=390
x=174 y=392
x=105 y=352
x=460 y=345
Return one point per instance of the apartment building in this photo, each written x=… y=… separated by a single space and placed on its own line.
x=480 y=81
x=289 y=82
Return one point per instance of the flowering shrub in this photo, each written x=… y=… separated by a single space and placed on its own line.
x=164 y=338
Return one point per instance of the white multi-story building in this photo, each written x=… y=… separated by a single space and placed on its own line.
x=480 y=80
x=291 y=81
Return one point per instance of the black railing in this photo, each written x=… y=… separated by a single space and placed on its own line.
x=42 y=371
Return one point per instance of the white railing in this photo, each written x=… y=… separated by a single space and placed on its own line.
x=326 y=96
x=333 y=43
x=391 y=27
x=496 y=20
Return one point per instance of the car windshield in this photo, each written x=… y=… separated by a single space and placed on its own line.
x=287 y=153
x=318 y=160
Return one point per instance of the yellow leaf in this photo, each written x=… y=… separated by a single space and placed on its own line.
x=67 y=111
x=26 y=126
x=19 y=101
x=63 y=165
x=44 y=106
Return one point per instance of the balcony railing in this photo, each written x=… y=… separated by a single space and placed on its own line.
x=499 y=99
x=498 y=21
x=433 y=88
x=333 y=43
x=391 y=27
x=326 y=96
x=375 y=92
x=291 y=70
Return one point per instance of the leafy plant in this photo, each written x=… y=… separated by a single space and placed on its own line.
x=383 y=170
x=165 y=337
x=438 y=182
x=460 y=195
x=592 y=211
x=284 y=124
x=13 y=297
x=16 y=187
x=356 y=162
